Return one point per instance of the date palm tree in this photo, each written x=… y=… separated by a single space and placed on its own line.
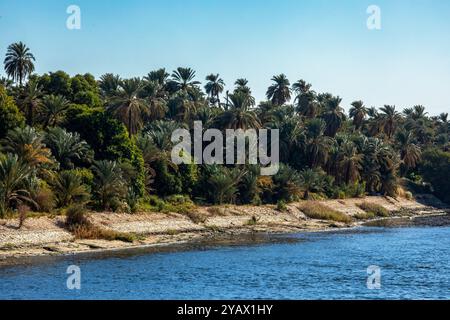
x=13 y=177
x=358 y=112
x=389 y=119
x=19 y=62
x=67 y=147
x=53 y=110
x=184 y=79
x=239 y=116
x=279 y=92
x=69 y=189
x=334 y=116
x=30 y=100
x=349 y=161
x=28 y=145
x=214 y=87
x=318 y=145
x=109 y=183
x=128 y=105
x=410 y=153
x=305 y=99
x=109 y=84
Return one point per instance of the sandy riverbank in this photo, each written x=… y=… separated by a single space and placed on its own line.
x=46 y=235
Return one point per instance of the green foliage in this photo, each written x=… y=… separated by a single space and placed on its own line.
x=69 y=189
x=10 y=116
x=435 y=169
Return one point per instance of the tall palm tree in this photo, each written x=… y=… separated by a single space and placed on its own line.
x=410 y=153
x=242 y=87
x=349 y=162
x=154 y=95
x=109 y=84
x=214 y=87
x=128 y=106
x=318 y=145
x=305 y=98
x=53 y=110
x=239 y=116
x=184 y=79
x=334 y=116
x=67 y=147
x=358 y=113
x=160 y=76
x=390 y=118
x=30 y=100
x=19 y=62
x=279 y=92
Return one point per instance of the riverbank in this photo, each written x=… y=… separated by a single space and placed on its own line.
x=46 y=235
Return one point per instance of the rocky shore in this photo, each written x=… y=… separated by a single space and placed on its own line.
x=46 y=235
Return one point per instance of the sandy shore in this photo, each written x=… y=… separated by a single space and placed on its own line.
x=46 y=235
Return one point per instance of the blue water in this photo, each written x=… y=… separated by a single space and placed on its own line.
x=414 y=262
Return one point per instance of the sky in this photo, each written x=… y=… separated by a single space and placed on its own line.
x=325 y=42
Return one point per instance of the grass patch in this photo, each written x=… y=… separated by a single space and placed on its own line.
x=252 y=221
x=373 y=210
x=318 y=211
x=196 y=217
x=79 y=225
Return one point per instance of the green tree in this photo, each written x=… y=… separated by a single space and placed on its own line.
x=19 y=62
x=279 y=92
x=10 y=116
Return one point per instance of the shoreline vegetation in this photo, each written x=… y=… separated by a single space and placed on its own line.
x=47 y=235
x=86 y=163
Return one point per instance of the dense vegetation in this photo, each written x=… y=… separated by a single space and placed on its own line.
x=106 y=143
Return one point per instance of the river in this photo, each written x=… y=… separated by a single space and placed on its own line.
x=414 y=263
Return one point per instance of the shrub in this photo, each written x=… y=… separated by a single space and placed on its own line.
x=373 y=209
x=196 y=217
x=316 y=210
x=23 y=213
x=10 y=116
x=281 y=206
x=76 y=216
x=44 y=198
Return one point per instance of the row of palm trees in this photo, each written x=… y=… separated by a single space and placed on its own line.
x=323 y=150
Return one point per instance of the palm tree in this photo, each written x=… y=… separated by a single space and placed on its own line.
x=109 y=84
x=310 y=181
x=239 y=116
x=389 y=118
x=349 y=161
x=160 y=76
x=409 y=152
x=109 y=185
x=184 y=79
x=242 y=87
x=128 y=105
x=28 y=145
x=30 y=100
x=305 y=98
x=152 y=92
x=53 y=110
x=69 y=189
x=279 y=93
x=318 y=145
x=67 y=147
x=214 y=87
x=13 y=177
x=19 y=62
x=358 y=112
x=334 y=116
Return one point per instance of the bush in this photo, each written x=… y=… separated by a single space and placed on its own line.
x=435 y=169
x=76 y=216
x=10 y=116
x=373 y=209
x=281 y=206
x=44 y=198
x=315 y=210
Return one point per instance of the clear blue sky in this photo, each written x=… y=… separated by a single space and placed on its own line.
x=325 y=42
